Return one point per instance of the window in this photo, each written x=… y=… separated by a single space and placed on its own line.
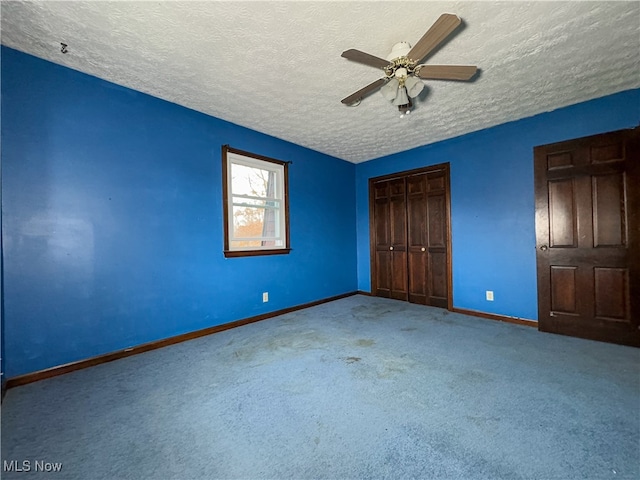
x=256 y=210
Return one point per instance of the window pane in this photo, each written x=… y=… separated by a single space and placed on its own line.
x=255 y=182
x=249 y=244
x=246 y=243
x=258 y=223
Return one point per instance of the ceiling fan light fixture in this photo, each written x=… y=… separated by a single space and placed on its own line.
x=390 y=90
x=402 y=98
x=414 y=86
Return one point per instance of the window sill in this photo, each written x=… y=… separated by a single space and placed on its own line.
x=255 y=253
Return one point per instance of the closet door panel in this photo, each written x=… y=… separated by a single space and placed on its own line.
x=438 y=241
x=437 y=221
x=438 y=279
x=418 y=238
x=390 y=238
x=398 y=220
x=381 y=233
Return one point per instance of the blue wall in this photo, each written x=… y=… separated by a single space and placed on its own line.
x=492 y=199
x=112 y=215
x=112 y=221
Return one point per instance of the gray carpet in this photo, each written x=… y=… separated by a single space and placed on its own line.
x=357 y=388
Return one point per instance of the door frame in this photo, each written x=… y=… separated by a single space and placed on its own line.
x=432 y=168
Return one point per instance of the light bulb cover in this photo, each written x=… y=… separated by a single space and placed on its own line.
x=390 y=90
x=401 y=98
x=414 y=86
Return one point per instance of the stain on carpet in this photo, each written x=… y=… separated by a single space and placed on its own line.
x=370 y=312
x=352 y=359
x=384 y=367
x=392 y=368
x=442 y=319
x=482 y=420
x=285 y=343
x=365 y=342
x=308 y=340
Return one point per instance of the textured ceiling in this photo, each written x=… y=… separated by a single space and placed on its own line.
x=275 y=67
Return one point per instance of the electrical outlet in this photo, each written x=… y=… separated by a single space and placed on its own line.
x=265 y=297
x=490 y=295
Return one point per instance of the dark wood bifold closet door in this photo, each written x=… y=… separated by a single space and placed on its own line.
x=391 y=238
x=418 y=238
x=588 y=237
x=427 y=238
x=410 y=236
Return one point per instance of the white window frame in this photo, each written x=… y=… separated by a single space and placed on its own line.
x=230 y=157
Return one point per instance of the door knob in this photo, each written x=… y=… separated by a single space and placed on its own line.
x=422 y=249
x=390 y=248
x=544 y=248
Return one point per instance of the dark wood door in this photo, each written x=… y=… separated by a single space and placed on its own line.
x=418 y=239
x=390 y=238
x=588 y=237
x=410 y=236
x=427 y=238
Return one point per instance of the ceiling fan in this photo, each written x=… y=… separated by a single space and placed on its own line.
x=402 y=67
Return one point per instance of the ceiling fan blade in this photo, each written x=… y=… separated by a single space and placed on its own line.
x=447 y=72
x=360 y=94
x=367 y=59
x=440 y=30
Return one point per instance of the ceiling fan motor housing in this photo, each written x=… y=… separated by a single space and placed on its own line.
x=399 y=50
